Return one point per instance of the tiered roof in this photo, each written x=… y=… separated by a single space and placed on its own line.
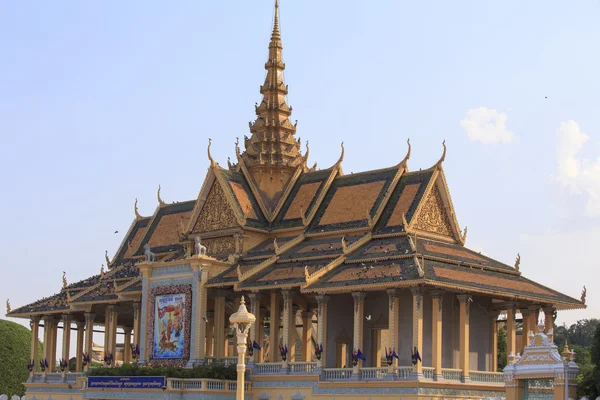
x=322 y=231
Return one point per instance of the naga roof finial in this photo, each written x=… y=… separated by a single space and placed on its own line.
x=64 y=280
x=439 y=163
x=306 y=154
x=407 y=156
x=135 y=210
x=161 y=203
x=7 y=306
x=106 y=258
x=237 y=147
x=339 y=161
x=518 y=262
x=212 y=162
x=583 y=295
x=464 y=235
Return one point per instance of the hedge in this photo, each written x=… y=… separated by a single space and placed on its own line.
x=212 y=371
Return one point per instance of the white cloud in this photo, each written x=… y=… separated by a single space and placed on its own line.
x=577 y=174
x=486 y=126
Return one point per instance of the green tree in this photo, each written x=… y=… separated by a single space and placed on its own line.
x=502 y=348
x=15 y=344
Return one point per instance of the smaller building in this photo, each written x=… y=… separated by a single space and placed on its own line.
x=541 y=372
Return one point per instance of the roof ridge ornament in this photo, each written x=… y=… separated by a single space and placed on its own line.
x=407 y=156
x=8 y=306
x=107 y=259
x=212 y=162
x=518 y=262
x=161 y=203
x=443 y=158
x=583 y=294
x=464 y=235
x=64 y=280
x=135 y=210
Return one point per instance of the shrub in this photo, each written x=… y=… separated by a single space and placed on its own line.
x=15 y=345
x=213 y=371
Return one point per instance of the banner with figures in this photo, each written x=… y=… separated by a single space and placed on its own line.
x=169 y=324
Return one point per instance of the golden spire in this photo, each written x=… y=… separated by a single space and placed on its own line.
x=272 y=143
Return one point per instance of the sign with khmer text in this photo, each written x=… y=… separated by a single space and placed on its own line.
x=126 y=382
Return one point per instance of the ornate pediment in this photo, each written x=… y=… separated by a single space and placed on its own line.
x=433 y=216
x=216 y=213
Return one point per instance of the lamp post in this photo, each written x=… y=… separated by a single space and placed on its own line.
x=241 y=321
x=566 y=354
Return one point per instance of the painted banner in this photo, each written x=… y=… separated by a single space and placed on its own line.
x=126 y=382
x=169 y=325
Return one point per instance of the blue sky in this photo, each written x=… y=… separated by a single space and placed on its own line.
x=102 y=102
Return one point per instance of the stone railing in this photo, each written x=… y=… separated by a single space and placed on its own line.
x=273 y=368
x=486 y=377
x=337 y=374
x=371 y=374
x=300 y=368
x=55 y=377
x=403 y=372
x=204 y=385
x=451 y=374
x=428 y=372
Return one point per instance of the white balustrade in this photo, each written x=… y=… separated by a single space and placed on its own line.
x=267 y=369
x=428 y=372
x=486 y=377
x=337 y=374
x=373 y=373
x=451 y=374
x=300 y=368
x=202 y=385
x=214 y=385
x=403 y=372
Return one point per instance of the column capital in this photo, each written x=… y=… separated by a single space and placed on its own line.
x=255 y=296
x=463 y=298
x=80 y=324
x=437 y=293
x=359 y=296
x=393 y=293
x=127 y=329
x=66 y=318
x=288 y=294
x=49 y=319
x=35 y=319
x=307 y=314
x=89 y=317
x=136 y=305
x=548 y=309
x=322 y=298
x=417 y=290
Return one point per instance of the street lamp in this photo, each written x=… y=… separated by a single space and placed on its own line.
x=566 y=355
x=241 y=321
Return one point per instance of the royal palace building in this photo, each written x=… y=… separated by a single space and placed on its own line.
x=345 y=273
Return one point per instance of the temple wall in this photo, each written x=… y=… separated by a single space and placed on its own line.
x=450 y=344
x=480 y=334
x=340 y=322
x=405 y=328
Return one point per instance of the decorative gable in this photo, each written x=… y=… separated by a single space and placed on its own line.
x=433 y=216
x=216 y=213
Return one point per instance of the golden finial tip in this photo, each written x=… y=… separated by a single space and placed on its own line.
x=135 y=210
x=8 y=306
x=160 y=200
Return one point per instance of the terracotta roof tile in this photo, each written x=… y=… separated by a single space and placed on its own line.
x=404 y=200
x=230 y=274
x=302 y=200
x=246 y=203
x=457 y=253
x=104 y=291
x=499 y=282
x=285 y=273
x=302 y=194
x=361 y=274
x=350 y=198
x=163 y=232
x=383 y=248
x=243 y=200
x=55 y=302
x=318 y=247
x=132 y=240
x=266 y=248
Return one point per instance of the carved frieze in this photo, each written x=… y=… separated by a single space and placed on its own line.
x=216 y=213
x=222 y=245
x=433 y=217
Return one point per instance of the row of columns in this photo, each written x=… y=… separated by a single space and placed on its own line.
x=530 y=317
x=84 y=339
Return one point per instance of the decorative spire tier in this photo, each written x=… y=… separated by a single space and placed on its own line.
x=273 y=152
